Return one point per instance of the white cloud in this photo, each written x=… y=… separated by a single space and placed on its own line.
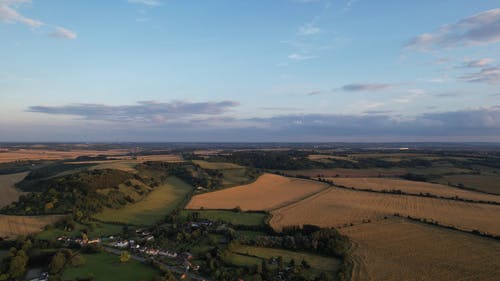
x=308 y=29
x=146 y=2
x=366 y=87
x=61 y=32
x=9 y=14
x=299 y=57
x=479 y=29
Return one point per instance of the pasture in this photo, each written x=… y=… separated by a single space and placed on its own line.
x=8 y=191
x=398 y=249
x=337 y=207
x=155 y=206
x=107 y=267
x=315 y=261
x=267 y=192
x=413 y=187
x=12 y=226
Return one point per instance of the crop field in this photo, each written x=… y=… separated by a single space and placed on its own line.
x=412 y=187
x=236 y=218
x=217 y=165
x=8 y=193
x=316 y=261
x=486 y=183
x=267 y=192
x=398 y=249
x=11 y=226
x=337 y=207
x=107 y=267
x=153 y=207
x=44 y=154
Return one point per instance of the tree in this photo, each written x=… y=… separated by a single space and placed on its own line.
x=125 y=256
x=57 y=263
x=18 y=264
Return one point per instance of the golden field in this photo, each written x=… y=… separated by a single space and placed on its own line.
x=413 y=187
x=398 y=249
x=267 y=192
x=336 y=207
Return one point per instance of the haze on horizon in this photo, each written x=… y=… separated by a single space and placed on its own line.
x=283 y=70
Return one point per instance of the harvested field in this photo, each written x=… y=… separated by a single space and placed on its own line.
x=44 y=154
x=8 y=192
x=153 y=207
x=11 y=226
x=339 y=207
x=484 y=183
x=398 y=249
x=413 y=187
x=351 y=173
x=267 y=192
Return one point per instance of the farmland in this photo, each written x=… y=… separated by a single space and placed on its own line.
x=235 y=218
x=153 y=207
x=216 y=165
x=11 y=226
x=8 y=192
x=11 y=155
x=268 y=192
x=397 y=249
x=316 y=261
x=485 y=183
x=412 y=187
x=107 y=267
x=346 y=206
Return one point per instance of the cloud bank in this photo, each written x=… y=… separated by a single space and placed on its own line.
x=479 y=29
x=208 y=121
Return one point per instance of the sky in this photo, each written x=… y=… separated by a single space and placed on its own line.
x=249 y=70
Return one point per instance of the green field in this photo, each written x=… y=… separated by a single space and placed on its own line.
x=485 y=183
x=100 y=230
x=107 y=267
x=315 y=261
x=217 y=165
x=153 y=207
x=236 y=218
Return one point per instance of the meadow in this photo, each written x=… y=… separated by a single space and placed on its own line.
x=398 y=249
x=107 y=267
x=315 y=261
x=267 y=192
x=155 y=206
x=217 y=165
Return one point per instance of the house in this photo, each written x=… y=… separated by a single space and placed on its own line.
x=121 y=244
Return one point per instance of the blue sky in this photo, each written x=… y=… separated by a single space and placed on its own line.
x=281 y=70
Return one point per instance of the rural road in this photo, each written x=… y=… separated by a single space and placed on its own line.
x=171 y=268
